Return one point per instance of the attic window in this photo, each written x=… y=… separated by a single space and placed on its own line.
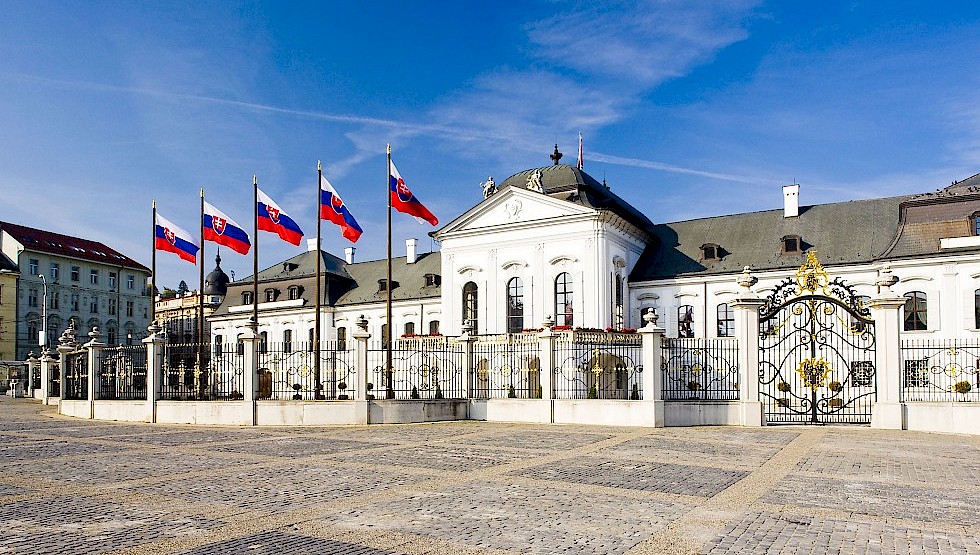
x=289 y=266
x=792 y=244
x=247 y=297
x=710 y=251
x=270 y=295
x=432 y=280
x=382 y=285
x=976 y=223
x=294 y=292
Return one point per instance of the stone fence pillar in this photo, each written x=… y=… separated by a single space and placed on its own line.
x=468 y=368
x=94 y=354
x=48 y=360
x=652 y=336
x=154 y=369
x=33 y=365
x=250 y=371
x=362 y=409
x=746 y=308
x=886 y=308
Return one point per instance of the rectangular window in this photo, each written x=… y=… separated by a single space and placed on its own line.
x=434 y=327
x=32 y=266
x=73 y=303
x=112 y=307
x=53 y=303
x=32 y=297
x=685 y=321
x=55 y=271
x=247 y=297
x=112 y=279
x=130 y=281
x=410 y=328
x=726 y=321
x=129 y=308
x=93 y=277
x=287 y=341
x=94 y=305
x=270 y=295
x=75 y=271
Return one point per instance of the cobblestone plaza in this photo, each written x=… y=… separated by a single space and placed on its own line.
x=78 y=486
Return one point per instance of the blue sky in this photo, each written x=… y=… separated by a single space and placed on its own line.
x=687 y=109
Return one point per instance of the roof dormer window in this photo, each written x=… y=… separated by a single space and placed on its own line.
x=792 y=244
x=432 y=280
x=294 y=292
x=247 y=297
x=975 y=220
x=710 y=251
x=270 y=295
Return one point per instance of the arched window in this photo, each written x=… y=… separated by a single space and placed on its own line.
x=618 y=316
x=341 y=339
x=263 y=341
x=726 y=320
x=287 y=341
x=470 y=307
x=434 y=327
x=858 y=326
x=409 y=328
x=976 y=309
x=310 y=340
x=916 y=315
x=563 y=299
x=685 y=321
x=515 y=305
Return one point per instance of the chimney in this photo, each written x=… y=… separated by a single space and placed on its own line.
x=791 y=201
x=411 y=250
x=310 y=245
x=349 y=254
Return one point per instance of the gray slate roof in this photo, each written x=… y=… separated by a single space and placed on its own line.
x=574 y=185
x=841 y=233
x=409 y=279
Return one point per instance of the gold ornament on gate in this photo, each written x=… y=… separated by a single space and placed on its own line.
x=814 y=372
x=811 y=275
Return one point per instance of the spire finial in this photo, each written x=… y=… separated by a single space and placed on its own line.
x=217 y=259
x=556 y=156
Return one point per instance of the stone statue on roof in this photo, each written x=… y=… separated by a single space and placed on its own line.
x=489 y=187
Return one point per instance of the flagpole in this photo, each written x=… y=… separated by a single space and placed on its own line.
x=389 y=388
x=200 y=303
x=255 y=257
x=153 y=275
x=316 y=319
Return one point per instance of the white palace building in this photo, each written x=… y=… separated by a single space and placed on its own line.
x=554 y=300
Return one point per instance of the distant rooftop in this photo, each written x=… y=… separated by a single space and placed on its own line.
x=65 y=245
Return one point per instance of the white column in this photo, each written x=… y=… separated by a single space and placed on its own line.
x=47 y=360
x=652 y=356
x=546 y=371
x=33 y=364
x=746 y=308
x=467 y=340
x=250 y=366
x=154 y=369
x=362 y=408
x=886 y=308
x=94 y=354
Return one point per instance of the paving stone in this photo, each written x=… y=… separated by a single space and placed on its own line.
x=644 y=476
x=44 y=449
x=294 y=447
x=766 y=532
x=437 y=457
x=737 y=455
x=537 y=439
x=276 y=543
x=117 y=467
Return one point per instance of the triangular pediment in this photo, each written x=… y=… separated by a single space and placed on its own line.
x=514 y=207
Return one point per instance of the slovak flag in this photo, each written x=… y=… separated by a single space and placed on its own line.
x=272 y=218
x=224 y=231
x=404 y=201
x=171 y=238
x=333 y=209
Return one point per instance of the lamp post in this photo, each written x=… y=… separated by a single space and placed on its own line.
x=42 y=340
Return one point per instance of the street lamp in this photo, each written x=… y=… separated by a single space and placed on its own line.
x=42 y=339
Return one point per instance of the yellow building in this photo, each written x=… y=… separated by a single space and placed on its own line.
x=8 y=308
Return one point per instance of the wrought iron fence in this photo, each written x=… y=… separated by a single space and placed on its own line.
x=421 y=368
x=54 y=378
x=941 y=370
x=699 y=369
x=289 y=371
x=36 y=377
x=507 y=365
x=122 y=373
x=598 y=365
x=75 y=380
x=189 y=372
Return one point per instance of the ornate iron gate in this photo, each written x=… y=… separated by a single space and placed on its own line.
x=816 y=351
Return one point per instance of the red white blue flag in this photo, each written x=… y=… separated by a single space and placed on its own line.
x=224 y=231
x=404 y=201
x=171 y=238
x=333 y=209
x=273 y=219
